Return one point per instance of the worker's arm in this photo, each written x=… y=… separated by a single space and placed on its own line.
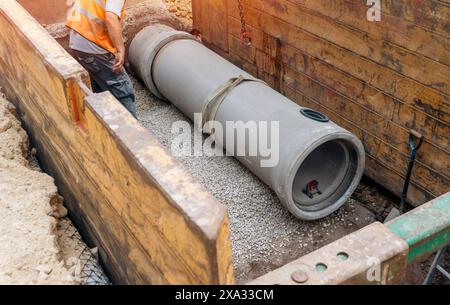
x=114 y=27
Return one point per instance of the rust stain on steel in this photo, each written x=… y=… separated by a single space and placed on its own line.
x=373 y=255
x=300 y=276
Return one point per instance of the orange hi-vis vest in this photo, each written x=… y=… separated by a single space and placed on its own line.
x=87 y=17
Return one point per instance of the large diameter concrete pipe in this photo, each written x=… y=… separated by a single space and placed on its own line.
x=320 y=164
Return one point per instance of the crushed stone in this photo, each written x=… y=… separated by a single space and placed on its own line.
x=264 y=235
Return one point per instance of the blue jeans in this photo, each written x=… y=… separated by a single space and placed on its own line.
x=103 y=78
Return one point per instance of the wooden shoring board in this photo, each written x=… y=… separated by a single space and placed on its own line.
x=152 y=222
x=379 y=80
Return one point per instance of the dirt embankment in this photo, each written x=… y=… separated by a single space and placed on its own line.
x=30 y=210
x=180 y=8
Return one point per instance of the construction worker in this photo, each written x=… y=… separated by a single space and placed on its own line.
x=97 y=43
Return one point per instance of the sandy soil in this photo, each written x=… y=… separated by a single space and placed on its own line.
x=181 y=8
x=32 y=213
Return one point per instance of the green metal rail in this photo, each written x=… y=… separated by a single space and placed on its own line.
x=395 y=245
x=425 y=229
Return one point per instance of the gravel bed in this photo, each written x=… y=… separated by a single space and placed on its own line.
x=264 y=235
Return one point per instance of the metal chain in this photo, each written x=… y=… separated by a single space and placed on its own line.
x=245 y=35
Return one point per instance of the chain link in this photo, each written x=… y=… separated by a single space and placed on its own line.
x=245 y=35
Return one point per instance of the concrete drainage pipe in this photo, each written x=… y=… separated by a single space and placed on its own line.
x=320 y=164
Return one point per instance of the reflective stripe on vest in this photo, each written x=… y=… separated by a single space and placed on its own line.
x=87 y=17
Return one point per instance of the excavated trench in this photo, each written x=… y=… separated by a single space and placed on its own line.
x=264 y=235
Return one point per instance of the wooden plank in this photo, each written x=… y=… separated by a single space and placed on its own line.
x=394 y=181
x=386 y=80
x=151 y=221
x=206 y=15
x=393 y=29
x=370 y=119
x=383 y=53
x=430 y=14
x=392 y=108
x=112 y=174
x=178 y=247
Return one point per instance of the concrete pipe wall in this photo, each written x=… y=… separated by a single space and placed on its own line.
x=320 y=164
